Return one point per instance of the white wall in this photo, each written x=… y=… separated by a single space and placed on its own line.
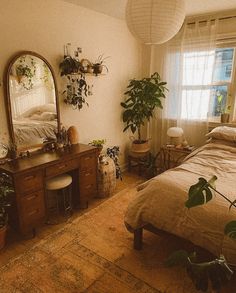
x=44 y=27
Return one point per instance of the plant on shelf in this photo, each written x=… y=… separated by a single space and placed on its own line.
x=77 y=89
x=5 y=191
x=216 y=272
x=143 y=97
x=25 y=71
x=98 y=143
x=98 y=65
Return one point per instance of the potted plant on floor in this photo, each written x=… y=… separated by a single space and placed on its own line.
x=5 y=191
x=143 y=97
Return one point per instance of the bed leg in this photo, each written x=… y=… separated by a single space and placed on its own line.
x=138 y=239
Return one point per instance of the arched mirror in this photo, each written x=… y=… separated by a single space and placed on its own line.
x=31 y=101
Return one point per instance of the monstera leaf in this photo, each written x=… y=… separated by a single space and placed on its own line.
x=200 y=193
x=230 y=229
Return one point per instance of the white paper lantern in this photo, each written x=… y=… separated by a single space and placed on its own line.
x=155 y=21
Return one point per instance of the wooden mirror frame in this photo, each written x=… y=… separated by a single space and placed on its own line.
x=8 y=100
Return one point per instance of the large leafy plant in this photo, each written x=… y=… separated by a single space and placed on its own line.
x=143 y=97
x=216 y=272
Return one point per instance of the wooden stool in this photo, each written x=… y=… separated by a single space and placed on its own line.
x=139 y=160
x=59 y=183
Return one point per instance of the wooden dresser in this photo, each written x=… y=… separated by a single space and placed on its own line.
x=29 y=176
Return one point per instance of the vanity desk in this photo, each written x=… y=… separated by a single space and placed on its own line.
x=30 y=174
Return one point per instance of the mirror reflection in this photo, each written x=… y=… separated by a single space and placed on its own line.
x=33 y=101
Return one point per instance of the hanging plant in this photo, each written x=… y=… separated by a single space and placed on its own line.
x=25 y=71
x=77 y=88
x=70 y=65
x=77 y=91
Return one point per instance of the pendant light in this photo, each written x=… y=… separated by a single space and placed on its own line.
x=155 y=21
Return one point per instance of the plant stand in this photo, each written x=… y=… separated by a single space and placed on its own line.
x=138 y=160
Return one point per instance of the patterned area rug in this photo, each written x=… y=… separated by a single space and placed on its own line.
x=94 y=254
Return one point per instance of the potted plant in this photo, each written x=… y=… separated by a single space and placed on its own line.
x=5 y=190
x=143 y=97
x=70 y=65
x=99 y=65
x=98 y=143
x=224 y=117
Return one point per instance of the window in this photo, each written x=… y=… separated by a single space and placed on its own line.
x=206 y=82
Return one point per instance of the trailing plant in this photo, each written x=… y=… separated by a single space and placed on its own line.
x=23 y=69
x=113 y=153
x=143 y=97
x=216 y=272
x=70 y=65
x=5 y=191
x=77 y=89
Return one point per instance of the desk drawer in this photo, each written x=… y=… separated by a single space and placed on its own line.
x=32 y=208
x=87 y=191
x=87 y=177
x=29 y=182
x=61 y=168
x=88 y=162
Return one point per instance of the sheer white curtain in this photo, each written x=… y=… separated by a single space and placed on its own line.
x=187 y=68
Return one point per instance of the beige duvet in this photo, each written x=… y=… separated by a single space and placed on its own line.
x=160 y=201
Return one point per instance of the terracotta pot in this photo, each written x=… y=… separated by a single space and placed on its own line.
x=90 y=69
x=140 y=147
x=224 y=118
x=3 y=231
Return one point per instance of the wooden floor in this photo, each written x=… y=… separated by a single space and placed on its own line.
x=16 y=245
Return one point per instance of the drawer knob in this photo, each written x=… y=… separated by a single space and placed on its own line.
x=29 y=177
x=32 y=197
x=87 y=158
x=62 y=166
x=33 y=212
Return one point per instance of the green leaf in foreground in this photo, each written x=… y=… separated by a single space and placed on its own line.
x=230 y=229
x=177 y=258
x=200 y=193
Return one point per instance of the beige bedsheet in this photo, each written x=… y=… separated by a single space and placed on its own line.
x=160 y=201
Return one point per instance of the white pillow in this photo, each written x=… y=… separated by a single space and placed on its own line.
x=39 y=110
x=223 y=133
x=45 y=116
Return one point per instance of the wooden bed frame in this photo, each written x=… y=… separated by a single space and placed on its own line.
x=138 y=235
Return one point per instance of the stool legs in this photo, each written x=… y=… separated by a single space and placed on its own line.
x=66 y=201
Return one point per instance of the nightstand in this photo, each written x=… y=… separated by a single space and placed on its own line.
x=171 y=156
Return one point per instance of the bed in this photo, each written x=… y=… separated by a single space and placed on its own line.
x=36 y=125
x=159 y=204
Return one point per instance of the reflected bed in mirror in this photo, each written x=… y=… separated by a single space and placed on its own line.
x=32 y=101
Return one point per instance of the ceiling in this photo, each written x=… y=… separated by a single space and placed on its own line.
x=116 y=8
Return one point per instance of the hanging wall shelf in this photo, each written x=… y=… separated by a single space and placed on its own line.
x=75 y=70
